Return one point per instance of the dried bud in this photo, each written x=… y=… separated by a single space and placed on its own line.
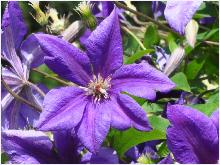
x=191 y=31
x=84 y=9
x=40 y=16
x=174 y=60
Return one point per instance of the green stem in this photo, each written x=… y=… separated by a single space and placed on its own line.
x=120 y=5
x=133 y=35
x=20 y=98
x=51 y=77
x=36 y=88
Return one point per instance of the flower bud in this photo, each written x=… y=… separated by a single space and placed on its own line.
x=174 y=60
x=57 y=25
x=40 y=17
x=84 y=9
x=191 y=31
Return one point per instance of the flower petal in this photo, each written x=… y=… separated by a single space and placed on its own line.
x=135 y=113
x=184 y=11
x=167 y=160
x=192 y=137
x=64 y=59
x=13 y=19
x=62 y=109
x=67 y=146
x=27 y=147
x=215 y=119
x=10 y=77
x=94 y=127
x=104 y=46
x=141 y=80
x=31 y=53
x=104 y=156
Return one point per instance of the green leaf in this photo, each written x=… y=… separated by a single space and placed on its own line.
x=158 y=123
x=181 y=82
x=122 y=141
x=137 y=56
x=151 y=107
x=211 y=105
x=162 y=149
x=194 y=67
x=208 y=34
x=171 y=42
x=151 y=36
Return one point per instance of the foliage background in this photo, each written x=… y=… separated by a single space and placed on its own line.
x=198 y=73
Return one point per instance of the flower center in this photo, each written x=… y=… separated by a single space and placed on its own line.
x=98 y=88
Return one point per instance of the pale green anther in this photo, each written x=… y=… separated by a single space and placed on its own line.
x=84 y=9
x=145 y=159
x=40 y=16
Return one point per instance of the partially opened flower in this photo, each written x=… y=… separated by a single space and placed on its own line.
x=179 y=13
x=35 y=147
x=20 y=56
x=158 y=8
x=193 y=137
x=97 y=103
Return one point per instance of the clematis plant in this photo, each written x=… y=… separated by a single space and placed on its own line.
x=101 y=98
x=193 y=137
x=35 y=147
x=20 y=57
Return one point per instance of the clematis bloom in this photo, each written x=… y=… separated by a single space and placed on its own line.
x=35 y=147
x=193 y=137
x=21 y=57
x=97 y=104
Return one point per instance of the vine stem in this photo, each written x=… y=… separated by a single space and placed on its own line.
x=36 y=88
x=120 y=5
x=51 y=77
x=133 y=35
x=20 y=98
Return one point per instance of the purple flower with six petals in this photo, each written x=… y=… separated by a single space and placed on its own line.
x=97 y=104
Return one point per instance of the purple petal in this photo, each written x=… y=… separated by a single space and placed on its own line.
x=215 y=119
x=94 y=127
x=67 y=146
x=207 y=20
x=31 y=53
x=83 y=38
x=137 y=116
x=16 y=114
x=179 y=13
x=62 y=109
x=104 y=46
x=107 y=8
x=27 y=147
x=167 y=160
x=158 y=9
x=141 y=80
x=9 y=52
x=64 y=59
x=10 y=77
x=104 y=156
x=13 y=19
x=192 y=137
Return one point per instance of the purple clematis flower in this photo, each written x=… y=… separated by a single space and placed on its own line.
x=179 y=13
x=20 y=56
x=35 y=147
x=193 y=137
x=97 y=103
